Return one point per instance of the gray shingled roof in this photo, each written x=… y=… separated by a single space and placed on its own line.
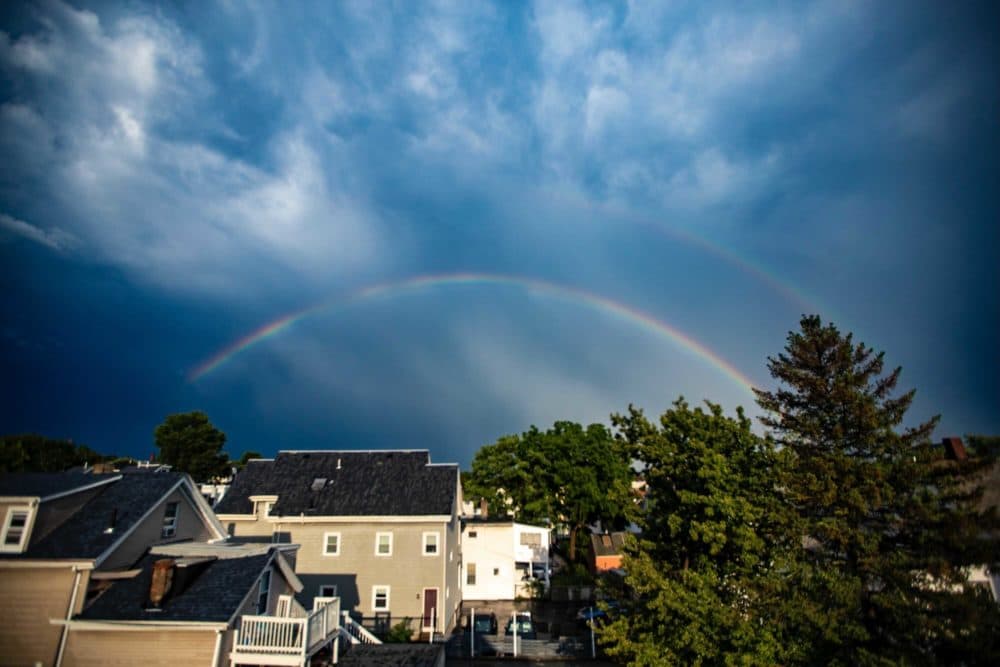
x=83 y=534
x=382 y=483
x=214 y=595
x=45 y=484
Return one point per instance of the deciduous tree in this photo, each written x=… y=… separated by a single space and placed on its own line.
x=190 y=443
x=708 y=571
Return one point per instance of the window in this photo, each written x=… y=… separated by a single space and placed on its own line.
x=328 y=591
x=268 y=506
x=431 y=544
x=383 y=544
x=15 y=529
x=169 y=520
x=470 y=574
x=496 y=572
x=472 y=534
x=531 y=539
x=331 y=544
x=380 y=598
x=265 y=589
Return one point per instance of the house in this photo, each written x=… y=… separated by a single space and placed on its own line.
x=379 y=529
x=503 y=559
x=64 y=533
x=607 y=548
x=201 y=604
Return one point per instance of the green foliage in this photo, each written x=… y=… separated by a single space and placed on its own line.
x=889 y=526
x=566 y=475
x=399 y=633
x=708 y=572
x=191 y=444
x=37 y=453
x=247 y=456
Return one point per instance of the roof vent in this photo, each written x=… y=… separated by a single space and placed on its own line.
x=112 y=520
x=338 y=464
x=318 y=483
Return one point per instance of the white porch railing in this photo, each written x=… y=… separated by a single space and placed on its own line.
x=273 y=640
x=355 y=633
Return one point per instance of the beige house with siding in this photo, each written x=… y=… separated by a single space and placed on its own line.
x=202 y=604
x=64 y=536
x=378 y=529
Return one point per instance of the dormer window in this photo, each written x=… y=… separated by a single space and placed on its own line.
x=15 y=529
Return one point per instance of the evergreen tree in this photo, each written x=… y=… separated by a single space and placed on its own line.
x=190 y=443
x=708 y=573
x=889 y=528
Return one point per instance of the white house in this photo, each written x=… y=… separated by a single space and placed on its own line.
x=503 y=559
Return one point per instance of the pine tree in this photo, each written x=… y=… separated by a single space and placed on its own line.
x=888 y=526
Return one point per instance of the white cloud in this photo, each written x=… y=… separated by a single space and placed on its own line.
x=173 y=210
x=56 y=239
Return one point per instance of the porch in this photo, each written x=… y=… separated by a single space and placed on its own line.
x=279 y=640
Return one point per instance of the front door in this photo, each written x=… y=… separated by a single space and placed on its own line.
x=431 y=611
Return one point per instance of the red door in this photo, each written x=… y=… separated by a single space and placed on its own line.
x=430 y=608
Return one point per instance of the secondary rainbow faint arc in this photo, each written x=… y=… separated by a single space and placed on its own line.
x=572 y=294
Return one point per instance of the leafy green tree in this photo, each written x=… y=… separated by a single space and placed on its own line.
x=889 y=528
x=567 y=475
x=708 y=572
x=36 y=453
x=190 y=443
x=247 y=456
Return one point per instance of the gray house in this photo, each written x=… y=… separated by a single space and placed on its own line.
x=378 y=529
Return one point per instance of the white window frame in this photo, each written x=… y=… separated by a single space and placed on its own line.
x=168 y=530
x=470 y=576
x=375 y=590
x=378 y=538
x=8 y=520
x=326 y=544
x=328 y=594
x=426 y=543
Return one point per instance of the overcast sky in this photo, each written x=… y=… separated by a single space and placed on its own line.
x=426 y=225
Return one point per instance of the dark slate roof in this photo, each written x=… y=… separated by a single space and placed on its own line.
x=608 y=545
x=45 y=484
x=83 y=536
x=391 y=655
x=214 y=595
x=378 y=483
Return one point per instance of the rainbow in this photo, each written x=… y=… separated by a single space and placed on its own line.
x=570 y=294
x=789 y=292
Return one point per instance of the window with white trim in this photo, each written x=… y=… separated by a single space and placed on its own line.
x=169 y=520
x=328 y=591
x=470 y=574
x=431 y=544
x=331 y=544
x=380 y=598
x=15 y=529
x=383 y=544
x=531 y=539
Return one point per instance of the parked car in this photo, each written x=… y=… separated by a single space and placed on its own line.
x=595 y=613
x=525 y=626
x=484 y=623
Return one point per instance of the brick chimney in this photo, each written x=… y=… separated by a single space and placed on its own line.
x=163 y=576
x=954 y=449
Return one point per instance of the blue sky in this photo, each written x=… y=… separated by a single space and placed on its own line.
x=650 y=193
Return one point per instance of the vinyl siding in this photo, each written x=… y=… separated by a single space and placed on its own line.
x=31 y=597
x=357 y=569
x=149 y=648
x=190 y=526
